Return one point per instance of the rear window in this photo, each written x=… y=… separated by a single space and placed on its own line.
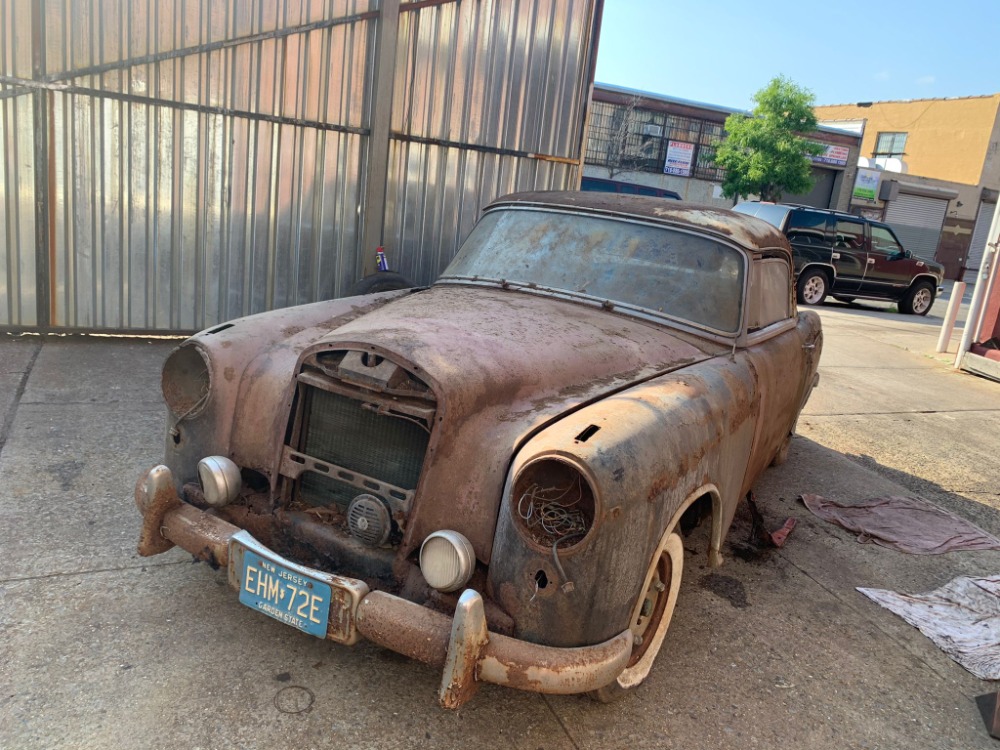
x=850 y=234
x=772 y=213
x=807 y=228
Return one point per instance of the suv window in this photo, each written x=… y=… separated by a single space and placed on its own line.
x=885 y=241
x=807 y=228
x=849 y=234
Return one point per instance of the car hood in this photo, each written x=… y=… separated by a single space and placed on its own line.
x=502 y=365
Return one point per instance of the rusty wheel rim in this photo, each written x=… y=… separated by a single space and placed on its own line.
x=651 y=611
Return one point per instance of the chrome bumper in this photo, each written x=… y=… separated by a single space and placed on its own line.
x=461 y=646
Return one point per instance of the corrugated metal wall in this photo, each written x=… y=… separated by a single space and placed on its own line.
x=172 y=164
x=478 y=87
x=17 y=171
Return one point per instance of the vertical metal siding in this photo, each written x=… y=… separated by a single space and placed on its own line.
x=208 y=159
x=487 y=101
x=17 y=170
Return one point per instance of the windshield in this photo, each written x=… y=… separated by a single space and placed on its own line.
x=663 y=270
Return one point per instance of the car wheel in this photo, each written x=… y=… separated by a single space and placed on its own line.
x=918 y=299
x=812 y=288
x=650 y=617
x=381 y=281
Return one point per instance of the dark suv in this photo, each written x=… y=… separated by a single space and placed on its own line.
x=850 y=257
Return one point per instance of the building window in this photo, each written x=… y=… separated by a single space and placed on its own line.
x=889 y=146
x=627 y=138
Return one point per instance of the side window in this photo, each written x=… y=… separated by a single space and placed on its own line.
x=807 y=228
x=849 y=235
x=885 y=241
x=770 y=299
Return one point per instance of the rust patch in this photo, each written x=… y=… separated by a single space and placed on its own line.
x=661 y=484
x=229 y=373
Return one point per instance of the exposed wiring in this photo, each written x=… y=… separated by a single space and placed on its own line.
x=174 y=432
x=547 y=508
x=551 y=510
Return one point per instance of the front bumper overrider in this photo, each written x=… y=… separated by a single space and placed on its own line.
x=461 y=646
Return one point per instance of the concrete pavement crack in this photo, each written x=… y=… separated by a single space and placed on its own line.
x=8 y=420
x=76 y=573
x=558 y=718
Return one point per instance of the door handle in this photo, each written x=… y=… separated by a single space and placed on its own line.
x=871 y=261
x=836 y=256
x=809 y=346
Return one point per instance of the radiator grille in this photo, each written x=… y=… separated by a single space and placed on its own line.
x=340 y=431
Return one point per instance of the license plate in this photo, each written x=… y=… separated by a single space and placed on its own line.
x=285 y=594
x=319 y=603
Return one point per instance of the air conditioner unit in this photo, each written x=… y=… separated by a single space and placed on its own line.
x=654 y=130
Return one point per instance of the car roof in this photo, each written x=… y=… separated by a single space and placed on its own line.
x=789 y=207
x=751 y=233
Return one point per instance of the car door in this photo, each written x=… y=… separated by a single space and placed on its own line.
x=850 y=255
x=889 y=268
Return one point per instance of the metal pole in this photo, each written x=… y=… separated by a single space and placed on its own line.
x=383 y=76
x=957 y=292
x=982 y=281
x=40 y=112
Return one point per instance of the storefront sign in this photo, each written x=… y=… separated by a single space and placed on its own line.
x=835 y=155
x=680 y=157
x=866 y=185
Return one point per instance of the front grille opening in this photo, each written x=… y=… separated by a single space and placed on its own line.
x=360 y=445
x=341 y=431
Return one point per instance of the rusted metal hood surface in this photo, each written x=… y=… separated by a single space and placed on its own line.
x=502 y=364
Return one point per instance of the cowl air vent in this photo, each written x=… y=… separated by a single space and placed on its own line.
x=358 y=442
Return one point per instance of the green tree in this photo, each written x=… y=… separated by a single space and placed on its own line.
x=766 y=154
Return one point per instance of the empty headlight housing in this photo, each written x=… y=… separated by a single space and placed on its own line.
x=553 y=503
x=186 y=381
x=447 y=560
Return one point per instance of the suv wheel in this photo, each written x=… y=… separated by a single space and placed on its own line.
x=918 y=299
x=812 y=288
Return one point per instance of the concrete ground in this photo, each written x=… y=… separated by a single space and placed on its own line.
x=103 y=649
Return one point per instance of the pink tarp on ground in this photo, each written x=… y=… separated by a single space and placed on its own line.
x=906 y=524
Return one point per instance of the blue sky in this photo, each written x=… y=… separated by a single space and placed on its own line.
x=721 y=51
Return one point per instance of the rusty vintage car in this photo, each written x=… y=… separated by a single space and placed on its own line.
x=488 y=475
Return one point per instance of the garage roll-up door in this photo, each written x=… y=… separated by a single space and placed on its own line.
x=978 y=243
x=821 y=193
x=917 y=220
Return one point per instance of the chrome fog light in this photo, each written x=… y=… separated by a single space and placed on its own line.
x=447 y=560
x=220 y=480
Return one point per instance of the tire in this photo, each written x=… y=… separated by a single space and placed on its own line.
x=382 y=281
x=782 y=455
x=812 y=288
x=918 y=299
x=649 y=622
